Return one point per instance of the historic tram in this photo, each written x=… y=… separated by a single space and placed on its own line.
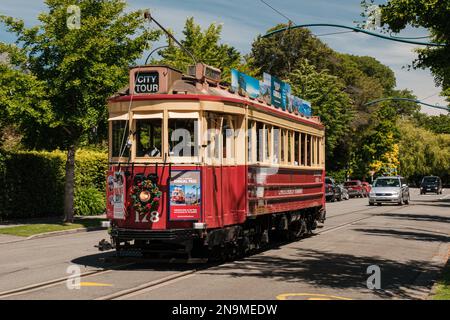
x=198 y=169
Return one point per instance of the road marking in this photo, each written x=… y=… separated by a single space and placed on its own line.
x=95 y=284
x=310 y=296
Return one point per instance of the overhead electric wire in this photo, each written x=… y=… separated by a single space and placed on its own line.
x=277 y=11
x=333 y=33
x=431 y=96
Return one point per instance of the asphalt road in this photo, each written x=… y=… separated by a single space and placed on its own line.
x=407 y=244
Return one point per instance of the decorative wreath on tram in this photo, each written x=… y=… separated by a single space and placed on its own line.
x=146 y=196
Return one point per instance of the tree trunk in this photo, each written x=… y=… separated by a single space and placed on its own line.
x=70 y=184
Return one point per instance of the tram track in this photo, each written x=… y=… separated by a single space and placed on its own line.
x=55 y=282
x=154 y=284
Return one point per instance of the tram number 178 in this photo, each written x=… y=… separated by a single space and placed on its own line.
x=152 y=217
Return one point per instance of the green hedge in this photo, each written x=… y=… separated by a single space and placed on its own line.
x=32 y=183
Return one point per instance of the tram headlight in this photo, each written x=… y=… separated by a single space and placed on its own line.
x=145 y=196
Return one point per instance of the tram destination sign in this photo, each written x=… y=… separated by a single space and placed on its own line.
x=146 y=82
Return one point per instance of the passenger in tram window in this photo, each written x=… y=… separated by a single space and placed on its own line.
x=153 y=153
x=148 y=138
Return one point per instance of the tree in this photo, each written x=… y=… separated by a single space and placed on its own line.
x=22 y=95
x=423 y=152
x=379 y=145
x=80 y=68
x=432 y=15
x=328 y=99
x=282 y=53
x=205 y=47
x=437 y=124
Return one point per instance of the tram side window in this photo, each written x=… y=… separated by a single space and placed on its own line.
x=296 y=149
x=260 y=142
x=276 y=144
x=319 y=144
x=183 y=137
x=282 y=144
x=267 y=143
x=213 y=139
x=308 y=150
x=302 y=149
x=289 y=142
x=228 y=136
x=250 y=140
x=119 y=138
x=149 y=138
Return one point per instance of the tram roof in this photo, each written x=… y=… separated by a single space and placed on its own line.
x=189 y=88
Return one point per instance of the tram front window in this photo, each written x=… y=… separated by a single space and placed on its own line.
x=149 y=138
x=183 y=137
x=119 y=136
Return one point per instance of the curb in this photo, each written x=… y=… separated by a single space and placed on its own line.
x=56 y=233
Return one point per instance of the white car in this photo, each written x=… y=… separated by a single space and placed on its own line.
x=389 y=190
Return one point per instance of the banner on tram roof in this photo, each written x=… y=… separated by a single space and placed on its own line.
x=271 y=90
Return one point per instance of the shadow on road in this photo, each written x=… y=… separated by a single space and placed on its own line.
x=416 y=217
x=108 y=260
x=408 y=235
x=336 y=271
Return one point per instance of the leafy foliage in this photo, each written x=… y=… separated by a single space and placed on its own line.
x=89 y=201
x=437 y=124
x=328 y=99
x=432 y=15
x=423 y=152
x=32 y=183
x=205 y=47
x=76 y=70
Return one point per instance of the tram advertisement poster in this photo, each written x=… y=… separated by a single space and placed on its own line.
x=244 y=83
x=185 y=196
x=116 y=192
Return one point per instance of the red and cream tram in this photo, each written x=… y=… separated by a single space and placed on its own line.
x=196 y=168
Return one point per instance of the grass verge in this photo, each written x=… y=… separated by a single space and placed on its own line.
x=38 y=228
x=443 y=285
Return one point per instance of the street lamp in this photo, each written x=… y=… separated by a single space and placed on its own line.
x=373 y=34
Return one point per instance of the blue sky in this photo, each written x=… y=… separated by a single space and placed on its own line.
x=243 y=20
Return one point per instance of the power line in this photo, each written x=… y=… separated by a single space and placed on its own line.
x=431 y=96
x=378 y=35
x=277 y=11
x=333 y=33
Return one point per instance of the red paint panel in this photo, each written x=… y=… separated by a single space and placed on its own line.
x=284 y=190
x=226 y=194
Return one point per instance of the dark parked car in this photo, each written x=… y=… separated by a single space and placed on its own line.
x=431 y=184
x=355 y=188
x=332 y=190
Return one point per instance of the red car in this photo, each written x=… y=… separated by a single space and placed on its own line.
x=355 y=188
x=367 y=188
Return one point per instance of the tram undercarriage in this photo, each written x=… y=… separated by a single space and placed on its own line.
x=219 y=244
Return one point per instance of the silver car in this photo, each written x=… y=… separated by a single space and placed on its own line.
x=389 y=190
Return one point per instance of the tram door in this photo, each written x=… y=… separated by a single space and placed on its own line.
x=224 y=173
